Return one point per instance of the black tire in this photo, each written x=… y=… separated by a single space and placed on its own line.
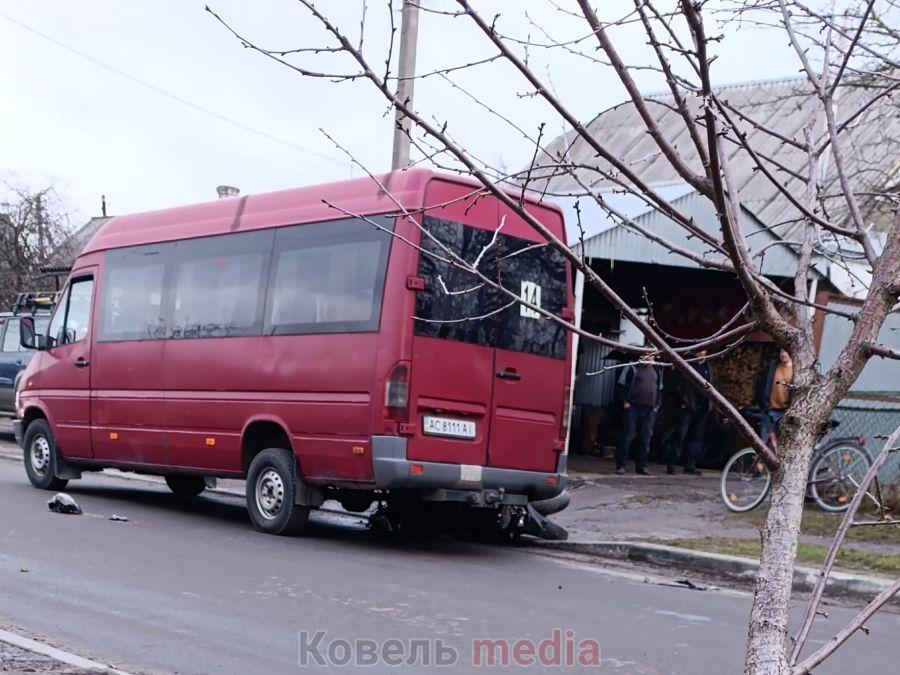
x=39 y=455
x=547 y=507
x=270 y=494
x=186 y=486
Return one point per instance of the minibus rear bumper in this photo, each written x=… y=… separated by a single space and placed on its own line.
x=394 y=471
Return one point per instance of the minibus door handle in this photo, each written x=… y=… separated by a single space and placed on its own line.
x=508 y=374
x=82 y=363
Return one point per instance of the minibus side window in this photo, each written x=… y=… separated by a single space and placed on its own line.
x=72 y=318
x=316 y=278
x=78 y=318
x=328 y=277
x=219 y=285
x=55 y=331
x=133 y=291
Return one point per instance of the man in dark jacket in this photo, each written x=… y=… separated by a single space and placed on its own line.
x=773 y=394
x=693 y=411
x=639 y=388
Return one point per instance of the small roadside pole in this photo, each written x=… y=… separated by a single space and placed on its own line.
x=406 y=72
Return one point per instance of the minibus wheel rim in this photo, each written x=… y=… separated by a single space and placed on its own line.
x=269 y=494
x=40 y=455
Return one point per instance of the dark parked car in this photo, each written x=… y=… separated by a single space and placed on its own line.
x=14 y=357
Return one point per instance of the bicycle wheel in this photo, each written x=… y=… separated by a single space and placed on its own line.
x=835 y=443
x=836 y=475
x=745 y=481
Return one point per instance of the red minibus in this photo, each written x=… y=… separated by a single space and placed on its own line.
x=316 y=343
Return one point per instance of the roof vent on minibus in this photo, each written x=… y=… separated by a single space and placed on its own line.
x=226 y=191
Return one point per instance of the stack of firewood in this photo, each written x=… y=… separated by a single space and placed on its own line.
x=735 y=374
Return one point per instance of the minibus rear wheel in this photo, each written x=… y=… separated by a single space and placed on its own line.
x=186 y=486
x=40 y=456
x=270 y=494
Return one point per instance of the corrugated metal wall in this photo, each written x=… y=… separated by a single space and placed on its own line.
x=620 y=244
x=599 y=389
x=881 y=375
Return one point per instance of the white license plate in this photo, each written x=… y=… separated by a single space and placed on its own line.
x=447 y=426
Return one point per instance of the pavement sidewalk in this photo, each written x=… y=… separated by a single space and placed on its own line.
x=659 y=507
x=635 y=518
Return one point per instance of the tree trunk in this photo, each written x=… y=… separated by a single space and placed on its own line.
x=767 y=652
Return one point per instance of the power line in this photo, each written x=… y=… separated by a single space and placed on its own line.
x=169 y=95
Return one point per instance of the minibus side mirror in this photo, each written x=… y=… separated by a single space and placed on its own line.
x=27 y=337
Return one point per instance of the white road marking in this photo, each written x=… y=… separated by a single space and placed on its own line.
x=58 y=654
x=695 y=618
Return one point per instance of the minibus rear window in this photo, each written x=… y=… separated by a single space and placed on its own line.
x=536 y=273
x=460 y=308
x=455 y=305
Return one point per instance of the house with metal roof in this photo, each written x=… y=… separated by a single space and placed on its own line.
x=686 y=299
x=63 y=257
x=871 y=147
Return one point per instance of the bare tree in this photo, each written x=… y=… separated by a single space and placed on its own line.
x=33 y=228
x=842 y=202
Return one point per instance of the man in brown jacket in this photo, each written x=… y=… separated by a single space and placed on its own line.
x=774 y=393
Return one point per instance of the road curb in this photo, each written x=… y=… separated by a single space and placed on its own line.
x=726 y=566
x=59 y=655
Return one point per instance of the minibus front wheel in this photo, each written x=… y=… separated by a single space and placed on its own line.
x=271 y=494
x=39 y=448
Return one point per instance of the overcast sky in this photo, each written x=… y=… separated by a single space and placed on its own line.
x=67 y=120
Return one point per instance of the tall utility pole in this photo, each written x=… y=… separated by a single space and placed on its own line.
x=406 y=73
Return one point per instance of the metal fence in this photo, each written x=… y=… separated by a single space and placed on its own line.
x=873 y=418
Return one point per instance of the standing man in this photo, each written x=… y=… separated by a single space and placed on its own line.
x=693 y=411
x=639 y=388
x=774 y=394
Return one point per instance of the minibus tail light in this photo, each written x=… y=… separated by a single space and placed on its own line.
x=396 y=393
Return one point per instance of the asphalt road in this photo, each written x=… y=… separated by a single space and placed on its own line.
x=186 y=586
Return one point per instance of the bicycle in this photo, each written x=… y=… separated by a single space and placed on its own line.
x=837 y=469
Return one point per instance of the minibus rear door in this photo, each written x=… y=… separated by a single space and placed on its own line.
x=453 y=349
x=531 y=366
